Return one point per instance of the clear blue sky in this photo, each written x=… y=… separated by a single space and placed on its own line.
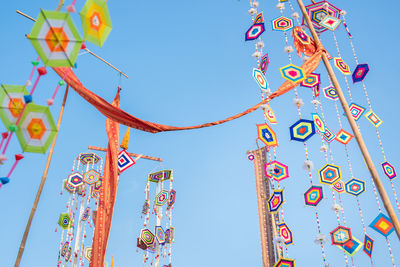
x=188 y=64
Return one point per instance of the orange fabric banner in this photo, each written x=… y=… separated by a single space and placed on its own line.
x=108 y=192
x=122 y=117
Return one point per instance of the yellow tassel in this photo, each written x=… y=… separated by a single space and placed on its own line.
x=125 y=140
x=112 y=259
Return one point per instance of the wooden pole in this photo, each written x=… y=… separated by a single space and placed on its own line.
x=44 y=177
x=130 y=154
x=353 y=125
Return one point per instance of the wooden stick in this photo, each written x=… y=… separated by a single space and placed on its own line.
x=87 y=50
x=130 y=154
x=356 y=131
x=26 y=16
x=108 y=63
x=39 y=192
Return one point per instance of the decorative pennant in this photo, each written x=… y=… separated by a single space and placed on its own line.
x=267 y=135
x=329 y=174
x=330 y=93
x=260 y=79
x=368 y=245
x=356 y=111
x=352 y=246
x=264 y=63
x=280 y=171
x=329 y=22
x=124 y=161
x=319 y=123
x=343 y=137
x=254 y=31
x=355 y=187
x=328 y=135
x=282 y=24
x=275 y=201
x=313 y=195
x=292 y=73
x=360 y=72
x=338 y=186
x=373 y=118
x=342 y=66
x=382 y=225
x=340 y=235
x=312 y=80
x=270 y=115
x=285 y=233
x=389 y=170
x=302 y=130
x=259 y=18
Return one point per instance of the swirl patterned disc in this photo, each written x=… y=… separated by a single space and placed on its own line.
x=282 y=24
x=373 y=118
x=329 y=174
x=283 y=262
x=351 y=247
x=75 y=179
x=160 y=235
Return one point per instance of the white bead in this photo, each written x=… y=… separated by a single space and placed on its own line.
x=256 y=55
x=323 y=148
x=295 y=15
x=260 y=44
x=288 y=49
x=343 y=12
x=298 y=102
x=280 y=6
x=325 y=5
x=308 y=164
x=28 y=83
x=255 y=4
x=315 y=102
x=252 y=11
x=320 y=238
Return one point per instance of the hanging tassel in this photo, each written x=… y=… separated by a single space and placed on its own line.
x=125 y=140
x=42 y=71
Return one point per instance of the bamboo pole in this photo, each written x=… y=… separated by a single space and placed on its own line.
x=130 y=154
x=353 y=125
x=44 y=177
x=87 y=50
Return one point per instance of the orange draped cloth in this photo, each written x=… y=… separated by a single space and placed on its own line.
x=108 y=193
x=122 y=117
